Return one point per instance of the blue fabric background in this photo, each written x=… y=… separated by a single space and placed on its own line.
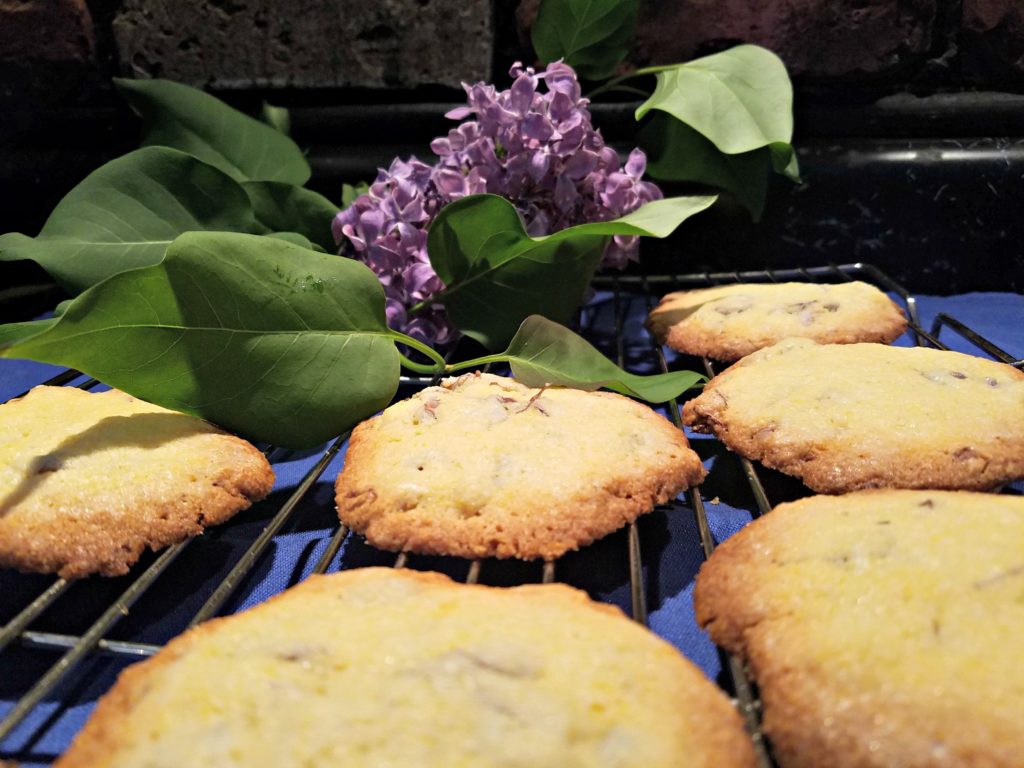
x=671 y=547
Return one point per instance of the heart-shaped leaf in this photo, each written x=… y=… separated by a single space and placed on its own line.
x=126 y=213
x=741 y=100
x=496 y=274
x=543 y=352
x=12 y=332
x=592 y=36
x=268 y=339
x=192 y=121
x=285 y=207
x=676 y=152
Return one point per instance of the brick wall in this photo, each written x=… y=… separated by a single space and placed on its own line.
x=363 y=81
x=48 y=48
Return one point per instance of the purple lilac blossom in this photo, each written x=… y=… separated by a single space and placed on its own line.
x=538 y=150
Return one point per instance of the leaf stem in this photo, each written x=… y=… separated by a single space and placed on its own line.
x=501 y=357
x=613 y=84
x=627 y=89
x=438 y=361
x=412 y=365
x=419 y=306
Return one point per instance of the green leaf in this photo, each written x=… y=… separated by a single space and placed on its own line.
x=496 y=274
x=12 y=332
x=741 y=100
x=126 y=213
x=187 y=119
x=543 y=352
x=268 y=339
x=283 y=207
x=277 y=118
x=676 y=152
x=296 y=238
x=592 y=36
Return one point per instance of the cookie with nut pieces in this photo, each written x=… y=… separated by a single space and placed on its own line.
x=727 y=322
x=89 y=480
x=846 y=417
x=379 y=666
x=882 y=627
x=483 y=466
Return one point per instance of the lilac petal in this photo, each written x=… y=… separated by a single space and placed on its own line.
x=459 y=113
x=620 y=251
x=441 y=147
x=421 y=329
x=561 y=78
x=421 y=281
x=636 y=164
x=357 y=242
x=538 y=128
x=539 y=163
x=609 y=158
x=648 y=191
x=394 y=311
x=580 y=164
x=336 y=228
x=451 y=183
x=565 y=193
x=476 y=182
x=571 y=141
x=538 y=222
x=520 y=96
x=371 y=223
x=562 y=108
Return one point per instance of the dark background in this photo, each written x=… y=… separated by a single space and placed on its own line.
x=909 y=113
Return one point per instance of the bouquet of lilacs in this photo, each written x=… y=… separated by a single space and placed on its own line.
x=201 y=260
x=535 y=145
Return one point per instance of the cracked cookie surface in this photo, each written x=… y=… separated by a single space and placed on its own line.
x=483 y=466
x=89 y=480
x=846 y=417
x=882 y=627
x=728 y=322
x=375 y=667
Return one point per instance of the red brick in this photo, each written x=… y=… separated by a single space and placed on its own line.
x=306 y=43
x=47 y=55
x=993 y=39
x=46 y=30
x=818 y=38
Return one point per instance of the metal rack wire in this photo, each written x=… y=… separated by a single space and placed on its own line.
x=96 y=639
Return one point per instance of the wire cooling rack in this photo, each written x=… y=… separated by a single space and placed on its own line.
x=63 y=642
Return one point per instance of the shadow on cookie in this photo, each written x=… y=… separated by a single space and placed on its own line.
x=139 y=430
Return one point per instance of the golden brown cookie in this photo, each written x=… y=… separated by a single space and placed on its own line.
x=88 y=481
x=728 y=322
x=844 y=417
x=484 y=466
x=883 y=627
x=377 y=667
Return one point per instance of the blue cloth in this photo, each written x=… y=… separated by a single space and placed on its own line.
x=670 y=543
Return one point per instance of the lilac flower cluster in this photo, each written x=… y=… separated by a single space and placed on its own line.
x=538 y=150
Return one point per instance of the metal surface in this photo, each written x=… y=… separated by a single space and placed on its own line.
x=96 y=640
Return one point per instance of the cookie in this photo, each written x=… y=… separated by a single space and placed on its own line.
x=88 y=481
x=376 y=667
x=883 y=627
x=728 y=322
x=483 y=466
x=844 y=417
